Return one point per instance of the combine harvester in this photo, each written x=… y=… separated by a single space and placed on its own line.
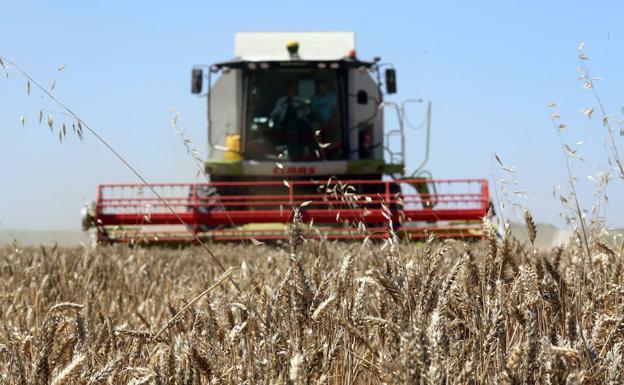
x=296 y=120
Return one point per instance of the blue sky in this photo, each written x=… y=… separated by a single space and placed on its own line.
x=490 y=69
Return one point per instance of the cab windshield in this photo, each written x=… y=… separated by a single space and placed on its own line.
x=293 y=114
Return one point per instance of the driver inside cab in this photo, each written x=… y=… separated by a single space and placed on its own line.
x=291 y=117
x=289 y=104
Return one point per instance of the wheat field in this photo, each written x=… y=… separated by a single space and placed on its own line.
x=313 y=312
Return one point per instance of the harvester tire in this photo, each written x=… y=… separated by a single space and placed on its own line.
x=209 y=200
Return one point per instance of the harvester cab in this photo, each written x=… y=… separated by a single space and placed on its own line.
x=296 y=120
x=301 y=99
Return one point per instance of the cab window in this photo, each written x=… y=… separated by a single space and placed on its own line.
x=290 y=111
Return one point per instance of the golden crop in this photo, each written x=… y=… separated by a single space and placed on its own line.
x=495 y=312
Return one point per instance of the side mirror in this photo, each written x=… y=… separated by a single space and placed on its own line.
x=197 y=79
x=391 y=86
x=362 y=97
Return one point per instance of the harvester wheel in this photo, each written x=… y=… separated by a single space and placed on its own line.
x=423 y=189
x=208 y=200
x=396 y=206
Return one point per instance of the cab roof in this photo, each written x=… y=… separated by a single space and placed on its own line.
x=294 y=63
x=313 y=46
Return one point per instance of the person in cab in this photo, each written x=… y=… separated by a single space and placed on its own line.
x=323 y=105
x=291 y=116
x=289 y=108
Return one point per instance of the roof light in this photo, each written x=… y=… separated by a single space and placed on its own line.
x=264 y=66
x=252 y=66
x=334 y=65
x=293 y=48
x=352 y=54
x=322 y=65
